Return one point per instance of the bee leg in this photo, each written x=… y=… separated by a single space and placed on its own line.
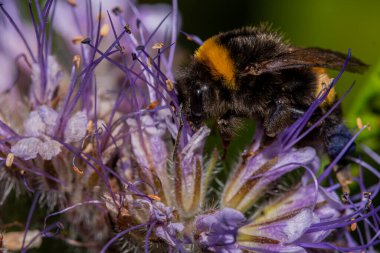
x=225 y=144
x=225 y=134
x=282 y=117
x=228 y=125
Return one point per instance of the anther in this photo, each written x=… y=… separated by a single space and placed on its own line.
x=152 y=105
x=77 y=170
x=367 y=194
x=104 y=30
x=173 y=107
x=127 y=29
x=359 y=123
x=169 y=85
x=134 y=56
x=345 y=198
x=248 y=154
x=140 y=48
x=72 y=2
x=120 y=48
x=149 y=62
x=88 y=149
x=86 y=41
x=368 y=204
x=76 y=61
x=9 y=160
x=100 y=16
x=90 y=126
x=77 y=39
x=353 y=226
x=154 y=197
x=158 y=45
x=117 y=10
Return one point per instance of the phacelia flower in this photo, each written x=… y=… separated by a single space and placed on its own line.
x=91 y=128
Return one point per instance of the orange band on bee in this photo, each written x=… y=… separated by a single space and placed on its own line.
x=323 y=81
x=218 y=59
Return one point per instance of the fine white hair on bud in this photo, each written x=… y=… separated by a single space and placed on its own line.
x=27 y=148
x=76 y=127
x=50 y=78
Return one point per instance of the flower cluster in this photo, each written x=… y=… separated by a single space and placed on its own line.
x=91 y=127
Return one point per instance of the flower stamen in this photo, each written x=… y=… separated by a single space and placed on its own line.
x=77 y=39
x=9 y=160
x=77 y=61
x=73 y=3
x=104 y=30
x=77 y=170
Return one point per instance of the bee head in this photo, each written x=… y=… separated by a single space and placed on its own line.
x=194 y=90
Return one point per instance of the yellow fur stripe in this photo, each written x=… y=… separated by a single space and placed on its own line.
x=218 y=59
x=323 y=81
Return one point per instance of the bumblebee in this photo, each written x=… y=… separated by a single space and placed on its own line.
x=254 y=73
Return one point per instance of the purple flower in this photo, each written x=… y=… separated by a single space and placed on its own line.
x=217 y=231
x=101 y=142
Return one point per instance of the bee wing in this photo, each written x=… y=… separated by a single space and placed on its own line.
x=306 y=58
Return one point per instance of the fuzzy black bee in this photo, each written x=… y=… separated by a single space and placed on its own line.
x=253 y=73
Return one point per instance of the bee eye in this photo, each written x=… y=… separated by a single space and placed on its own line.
x=196 y=106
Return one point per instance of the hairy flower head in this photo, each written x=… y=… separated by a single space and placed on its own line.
x=96 y=134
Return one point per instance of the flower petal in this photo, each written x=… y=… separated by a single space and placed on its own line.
x=327 y=208
x=76 y=127
x=49 y=149
x=54 y=75
x=150 y=151
x=272 y=248
x=194 y=148
x=27 y=148
x=167 y=233
x=14 y=241
x=41 y=121
x=49 y=117
x=217 y=231
x=250 y=181
x=279 y=230
x=188 y=173
x=34 y=125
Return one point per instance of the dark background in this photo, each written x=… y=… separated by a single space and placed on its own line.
x=337 y=25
